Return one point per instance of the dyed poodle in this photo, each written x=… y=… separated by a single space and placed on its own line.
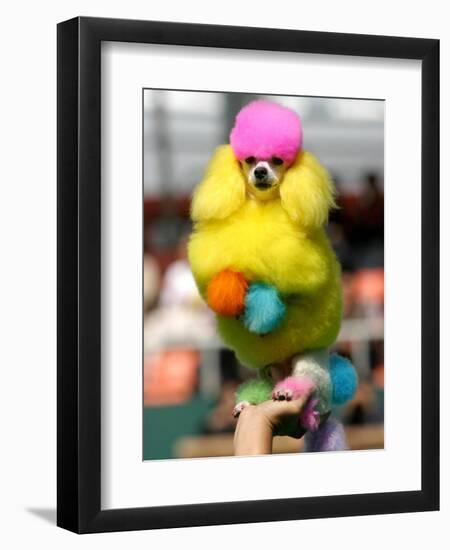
x=262 y=261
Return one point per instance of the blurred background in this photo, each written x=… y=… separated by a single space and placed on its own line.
x=189 y=377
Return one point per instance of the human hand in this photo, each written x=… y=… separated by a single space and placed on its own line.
x=256 y=424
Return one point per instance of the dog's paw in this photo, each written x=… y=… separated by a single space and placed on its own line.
x=239 y=407
x=282 y=394
x=292 y=387
x=264 y=309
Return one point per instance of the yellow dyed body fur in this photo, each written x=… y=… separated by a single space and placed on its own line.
x=280 y=242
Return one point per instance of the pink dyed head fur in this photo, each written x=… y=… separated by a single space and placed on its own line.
x=264 y=129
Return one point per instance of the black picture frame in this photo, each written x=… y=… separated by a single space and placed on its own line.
x=79 y=275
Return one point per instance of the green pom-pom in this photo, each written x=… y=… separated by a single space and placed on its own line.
x=254 y=391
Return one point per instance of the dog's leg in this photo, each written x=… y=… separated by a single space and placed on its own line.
x=329 y=437
x=309 y=376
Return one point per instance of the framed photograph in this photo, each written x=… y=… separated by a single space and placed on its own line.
x=248 y=234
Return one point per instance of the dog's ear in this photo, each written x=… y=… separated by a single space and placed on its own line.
x=307 y=191
x=222 y=190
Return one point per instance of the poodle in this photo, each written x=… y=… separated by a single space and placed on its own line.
x=263 y=263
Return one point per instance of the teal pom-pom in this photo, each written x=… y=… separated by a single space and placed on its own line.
x=264 y=309
x=343 y=378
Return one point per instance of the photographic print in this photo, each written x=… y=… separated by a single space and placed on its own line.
x=263 y=270
x=227 y=299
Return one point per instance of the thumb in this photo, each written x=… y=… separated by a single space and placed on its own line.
x=292 y=407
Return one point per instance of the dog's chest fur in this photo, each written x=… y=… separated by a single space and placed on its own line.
x=261 y=241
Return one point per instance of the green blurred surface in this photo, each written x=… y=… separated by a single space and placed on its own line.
x=164 y=425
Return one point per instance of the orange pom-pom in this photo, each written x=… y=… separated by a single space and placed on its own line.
x=226 y=293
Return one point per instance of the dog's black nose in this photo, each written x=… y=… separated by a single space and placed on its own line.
x=260 y=173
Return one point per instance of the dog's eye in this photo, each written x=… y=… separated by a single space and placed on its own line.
x=250 y=160
x=277 y=161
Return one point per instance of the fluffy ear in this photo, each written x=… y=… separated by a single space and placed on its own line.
x=222 y=190
x=307 y=192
